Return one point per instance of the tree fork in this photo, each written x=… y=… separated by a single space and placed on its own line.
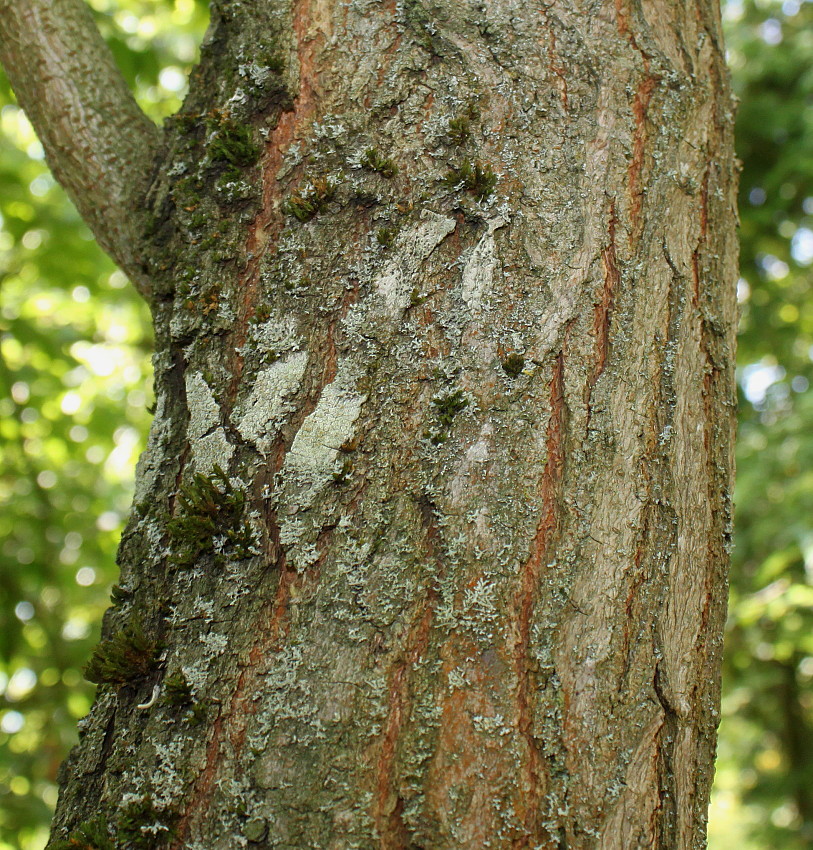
x=429 y=543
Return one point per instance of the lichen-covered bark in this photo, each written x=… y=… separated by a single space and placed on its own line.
x=429 y=545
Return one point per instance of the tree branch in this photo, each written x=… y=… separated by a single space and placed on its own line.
x=98 y=142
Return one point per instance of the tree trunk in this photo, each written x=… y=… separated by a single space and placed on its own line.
x=430 y=540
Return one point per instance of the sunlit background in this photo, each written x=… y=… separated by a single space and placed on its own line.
x=75 y=392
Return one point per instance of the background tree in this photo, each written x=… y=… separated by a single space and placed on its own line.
x=765 y=761
x=585 y=410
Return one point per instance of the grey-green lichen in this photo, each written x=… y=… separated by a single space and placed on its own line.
x=396 y=282
x=481 y=267
x=154 y=459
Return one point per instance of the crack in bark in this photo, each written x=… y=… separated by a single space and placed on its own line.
x=281 y=137
x=107 y=742
x=709 y=379
x=392 y=831
x=553 y=62
x=664 y=815
x=391 y=8
x=270 y=221
x=602 y=312
x=240 y=708
x=663 y=408
x=535 y=772
x=632 y=592
x=202 y=789
x=640 y=106
x=704 y=221
x=622 y=17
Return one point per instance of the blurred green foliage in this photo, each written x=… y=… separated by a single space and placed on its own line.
x=74 y=392
x=74 y=388
x=764 y=786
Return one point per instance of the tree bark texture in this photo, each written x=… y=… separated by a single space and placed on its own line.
x=430 y=539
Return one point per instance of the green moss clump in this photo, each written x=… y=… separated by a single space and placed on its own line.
x=197 y=714
x=477 y=178
x=261 y=314
x=177 y=691
x=383 y=165
x=90 y=835
x=186 y=122
x=448 y=406
x=513 y=364
x=207 y=510
x=385 y=236
x=118 y=594
x=142 y=825
x=232 y=143
x=309 y=201
x=275 y=64
x=342 y=476
x=460 y=126
x=127 y=656
x=459 y=129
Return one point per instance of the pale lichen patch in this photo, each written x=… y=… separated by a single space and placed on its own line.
x=204 y=413
x=414 y=247
x=458 y=679
x=277 y=335
x=167 y=780
x=207 y=439
x=323 y=433
x=262 y=413
x=478 y=273
x=214 y=643
x=480 y=613
x=478 y=452
x=311 y=464
x=212 y=450
x=491 y=725
x=197 y=674
x=470 y=469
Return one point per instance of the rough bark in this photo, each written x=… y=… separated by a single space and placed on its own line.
x=456 y=324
